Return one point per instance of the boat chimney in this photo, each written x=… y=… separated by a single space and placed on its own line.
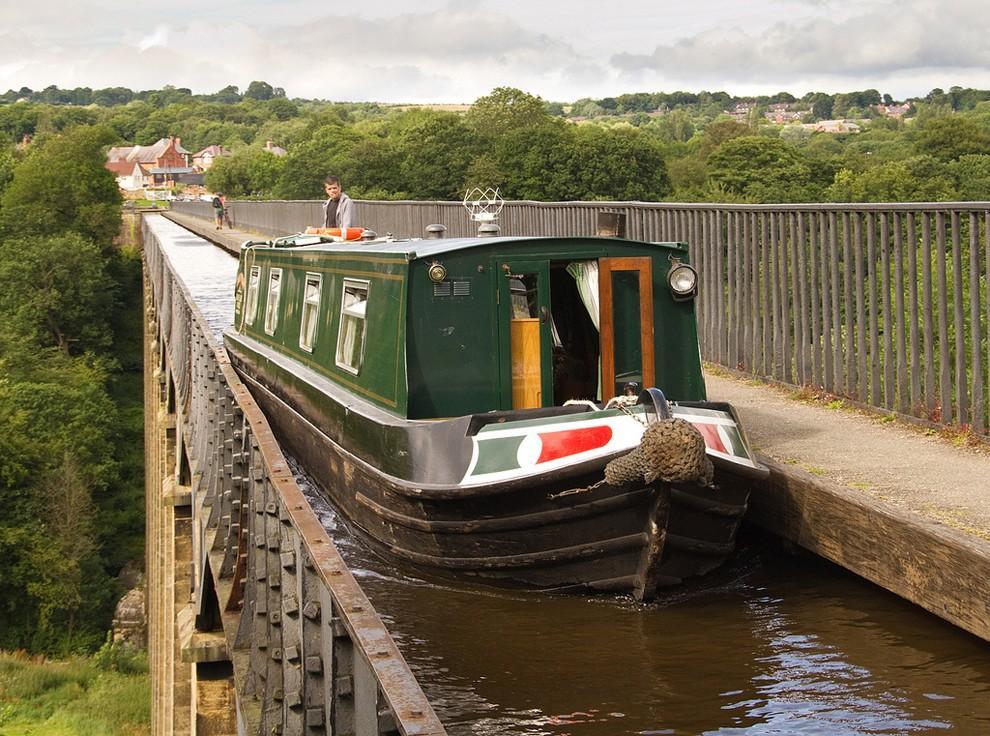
x=611 y=225
x=488 y=230
x=435 y=232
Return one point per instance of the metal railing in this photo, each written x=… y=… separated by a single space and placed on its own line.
x=884 y=304
x=309 y=652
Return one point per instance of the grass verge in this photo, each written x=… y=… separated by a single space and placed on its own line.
x=107 y=694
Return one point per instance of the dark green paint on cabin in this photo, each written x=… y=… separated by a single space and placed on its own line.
x=442 y=350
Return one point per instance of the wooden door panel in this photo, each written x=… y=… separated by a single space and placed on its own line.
x=643 y=266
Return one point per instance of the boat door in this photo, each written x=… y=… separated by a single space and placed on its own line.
x=525 y=336
x=625 y=293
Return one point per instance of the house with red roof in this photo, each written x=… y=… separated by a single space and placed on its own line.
x=159 y=164
x=203 y=160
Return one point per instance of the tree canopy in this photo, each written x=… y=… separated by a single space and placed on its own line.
x=391 y=152
x=62 y=185
x=65 y=450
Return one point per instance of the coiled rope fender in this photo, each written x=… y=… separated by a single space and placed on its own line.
x=671 y=450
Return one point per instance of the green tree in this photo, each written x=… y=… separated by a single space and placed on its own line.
x=69 y=518
x=309 y=162
x=435 y=154
x=762 y=170
x=674 y=127
x=560 y=162
x=972 y=175
x=258 y=90
x=688 y=175
x=535 y=162
x=249 y=171
x=720 y=131
x=58 y=404
x=621 y=163
x=821 y=103
x=484 y=172
x=919 y=179
x=282 y=108
x=56 y=293
x=64 y=185
x=505 y=109
x=949 y=137
x=229 y=95
x=7 y=164
x=586 y=108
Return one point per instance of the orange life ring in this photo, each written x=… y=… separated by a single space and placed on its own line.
x=347 y=233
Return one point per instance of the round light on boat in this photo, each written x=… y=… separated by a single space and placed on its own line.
x=683 y=280
x=437 y=272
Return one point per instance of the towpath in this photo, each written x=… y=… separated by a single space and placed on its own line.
x=913 y=468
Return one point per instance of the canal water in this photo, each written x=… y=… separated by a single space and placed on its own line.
x=774 y=643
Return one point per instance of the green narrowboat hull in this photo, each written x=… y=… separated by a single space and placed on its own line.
x=405 y=486
x=429 y=389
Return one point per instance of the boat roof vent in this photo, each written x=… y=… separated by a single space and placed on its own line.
x=488 y=230
x=369 y=235
x=435 y=232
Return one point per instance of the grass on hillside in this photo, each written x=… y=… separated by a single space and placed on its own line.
x=108 y=694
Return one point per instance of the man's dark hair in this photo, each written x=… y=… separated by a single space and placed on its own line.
x=331 y=180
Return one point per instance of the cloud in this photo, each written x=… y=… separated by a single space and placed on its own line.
x=884 y=39
x=454 y=53
x=457 y=50
x=158 y=38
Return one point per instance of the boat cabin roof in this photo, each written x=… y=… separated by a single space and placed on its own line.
x=416 y=249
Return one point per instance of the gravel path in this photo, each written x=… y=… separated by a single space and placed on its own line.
x=896 y=462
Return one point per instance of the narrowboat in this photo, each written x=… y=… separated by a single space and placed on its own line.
x=468 y=403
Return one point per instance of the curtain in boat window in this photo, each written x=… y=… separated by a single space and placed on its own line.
x=254 y=282
x=585 y=273
x=310 y=310
x=271 y=308
x=353 y=325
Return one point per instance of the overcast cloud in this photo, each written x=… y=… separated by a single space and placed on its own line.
x=457 y=50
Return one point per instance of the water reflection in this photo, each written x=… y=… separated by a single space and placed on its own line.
x=769 y=645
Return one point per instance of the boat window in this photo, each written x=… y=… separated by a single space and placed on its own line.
x=251 y=308
x=524 y=296
x=353 y=325
x=271 y=308
x=310 y=311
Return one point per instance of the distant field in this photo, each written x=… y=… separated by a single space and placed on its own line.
x=446 y=108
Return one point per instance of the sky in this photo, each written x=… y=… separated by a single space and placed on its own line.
x=454 y=51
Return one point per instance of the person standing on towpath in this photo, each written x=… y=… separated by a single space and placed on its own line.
x=218 y=209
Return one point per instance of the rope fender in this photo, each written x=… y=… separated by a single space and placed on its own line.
x=671 y=450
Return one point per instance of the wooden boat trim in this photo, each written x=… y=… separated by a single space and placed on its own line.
x=706 y=505
x=622 y=584
x=506 y=523
x=559 y=556
x=715 y=549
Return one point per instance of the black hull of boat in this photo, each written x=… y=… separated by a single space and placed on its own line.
x=556 y=533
